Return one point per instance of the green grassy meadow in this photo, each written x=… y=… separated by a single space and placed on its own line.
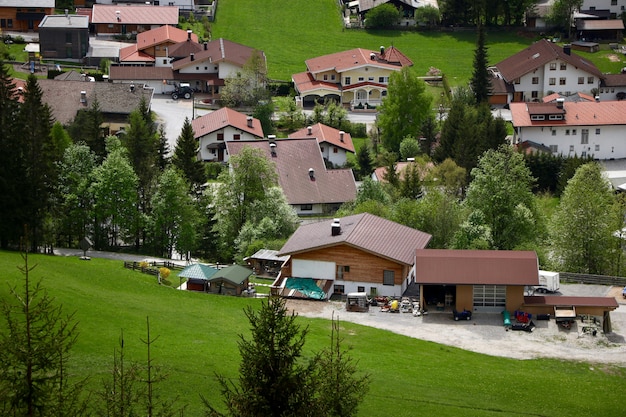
x=291 y=32
x=198 y=335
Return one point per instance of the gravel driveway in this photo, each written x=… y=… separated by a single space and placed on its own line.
x=486 y=334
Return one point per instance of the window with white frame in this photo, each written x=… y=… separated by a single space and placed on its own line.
x=552 y=81
x=562 y=81
x=574 y=132
x=563 y=66
x=597 y=131
x=535 y=80
x=590 y=80
x=332 y=77
x=325 y=77
x=597 y=148
x=553 y=132
x=584 y=136
x=534 y=94
x=566 y=132
x=552 y=66
x=347 y=81
x=361 y=79
x=554 y=148
x=581 y=80
x=571 y=148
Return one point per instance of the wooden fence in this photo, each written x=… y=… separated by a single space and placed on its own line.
x=152 y=268
x=592 y=279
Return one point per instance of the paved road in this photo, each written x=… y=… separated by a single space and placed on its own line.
x=113 y=255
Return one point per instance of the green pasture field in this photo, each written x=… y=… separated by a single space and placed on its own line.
x=290 y=32
x=198 y=335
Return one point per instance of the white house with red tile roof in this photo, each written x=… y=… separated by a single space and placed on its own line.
x=353 y=77
x=153 y=45
x=215 y=129
x=116 y=19
x=542 y=69
x=205 y=67
x=571 y=128
x=309 y=187
x=358 y=253
x=334 y=144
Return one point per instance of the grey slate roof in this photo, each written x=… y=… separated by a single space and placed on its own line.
x=63 y=22
x=64 y=97
x=293 y=159
x=198 y=271
x=365 y=231
x=236 y=274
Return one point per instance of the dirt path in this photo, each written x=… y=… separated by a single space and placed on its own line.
x=486 y=334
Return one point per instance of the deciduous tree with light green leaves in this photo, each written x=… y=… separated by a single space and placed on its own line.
x=404 y=110
x=501 y=189
x=585 y=226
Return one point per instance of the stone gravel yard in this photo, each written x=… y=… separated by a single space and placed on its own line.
x=486 y=334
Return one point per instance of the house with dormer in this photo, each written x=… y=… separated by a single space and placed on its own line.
x=309 y=187
x=542 y=69
x=153 y=46
x=568 y=128
x=335 y=145
x=214 y=130
x=356 y=78
x=203 y=66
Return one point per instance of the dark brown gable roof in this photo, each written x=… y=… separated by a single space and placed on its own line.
x=365 y=231
x=559 y=300
x=132 y=73
x=220 y=50
x=293 y=159
x=326 y=134
x=476 y=267
x=537 y=55
x=224 y=117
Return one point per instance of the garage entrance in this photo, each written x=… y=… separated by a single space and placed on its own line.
x=489 y=298
x=439 y=296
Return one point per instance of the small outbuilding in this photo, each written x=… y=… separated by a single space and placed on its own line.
x=266 y=263
x=586 y=46
x=232 y=280
x=198 y=276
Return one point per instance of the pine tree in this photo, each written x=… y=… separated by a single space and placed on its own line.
x=480 y=81
x=186 y=157
x=86 y=127
x=36 y=343
x=39 y=157
x=10 y=209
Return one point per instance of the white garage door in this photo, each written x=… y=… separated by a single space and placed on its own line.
x=302 y=268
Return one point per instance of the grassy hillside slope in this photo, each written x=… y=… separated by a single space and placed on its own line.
x=291 y=32
x=198 y=335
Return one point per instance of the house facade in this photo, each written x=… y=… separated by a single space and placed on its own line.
x=567 y=128
x=215 y=129
x=359 y=253
x=309 y=187
x=612 y=9
x=64 y=37
x=334 y=144
x=164 y=65
x=542 y=69
x=121 y=19
x=24 y=15
x=355 y=78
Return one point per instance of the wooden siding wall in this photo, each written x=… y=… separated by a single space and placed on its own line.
x=514 y=297
x=364 y=267
x=464 y=297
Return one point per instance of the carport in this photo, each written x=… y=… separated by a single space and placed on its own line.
x=592 y=306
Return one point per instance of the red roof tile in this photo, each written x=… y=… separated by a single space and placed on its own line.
x=581 y=113
x=222 y=118
x=134 y=15
x=293 y=159
x=132 y=73
x=161 y=35
x=480 y=267
x=220 y=50
x=326 y=134
x=305 y=82
x=354 y=58
x=365 y=231
x=537 y=55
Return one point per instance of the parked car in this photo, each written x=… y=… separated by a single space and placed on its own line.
x=462 y=315
x=184 y=91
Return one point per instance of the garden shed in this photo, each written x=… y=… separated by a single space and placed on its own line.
x=197 y=276
x=232 y=280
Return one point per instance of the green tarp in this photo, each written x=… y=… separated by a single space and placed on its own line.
x=306 y=286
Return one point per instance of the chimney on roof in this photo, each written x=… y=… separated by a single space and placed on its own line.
x=309 y=130
x=567 y=49
x=559 y=103
x=597 y=98
x=188 y=34
x=273 y=149
x=249 y=121
x=335 y=227
x=67 y=13
x=206 y=46
x=118 y=15
x=192 y=56
x=83 y=97
x=132 y=88
x=382 y=50
x=312 y=174
x=372 y=56
x=272 y=138
x=341 y=135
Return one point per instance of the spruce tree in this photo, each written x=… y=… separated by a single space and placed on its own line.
x=10 y=209
x=480 y=81
x=185 y=157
